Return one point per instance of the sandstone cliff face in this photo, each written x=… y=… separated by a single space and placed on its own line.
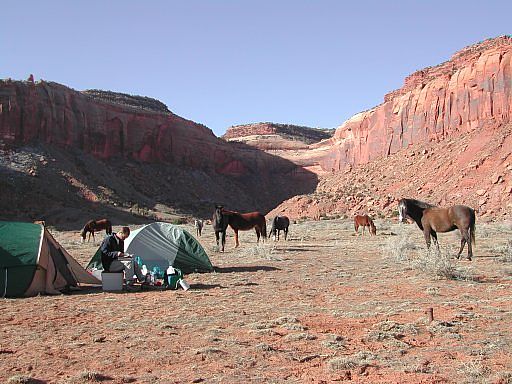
x=57 y=115
x=120 y=131
x=471 y=91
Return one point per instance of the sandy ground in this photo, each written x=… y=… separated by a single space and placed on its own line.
x=325 y=306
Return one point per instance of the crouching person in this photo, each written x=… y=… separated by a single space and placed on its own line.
x=112 y=248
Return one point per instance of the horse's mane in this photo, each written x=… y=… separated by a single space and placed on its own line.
x=415 y=209
x=418 y=203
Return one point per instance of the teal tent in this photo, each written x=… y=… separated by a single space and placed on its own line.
x=32 y=262
x=163 y=244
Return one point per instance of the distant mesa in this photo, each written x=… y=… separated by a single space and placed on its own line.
x=306 y=135
x=141 y=102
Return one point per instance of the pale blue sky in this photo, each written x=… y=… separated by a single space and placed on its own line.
x=222 y=63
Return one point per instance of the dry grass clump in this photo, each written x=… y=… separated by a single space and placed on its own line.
x=474 y=372
x=400 y=247
x=503 y=378
x=299 y=336
x=505 y=252
x=386 y=330
x=259 y=251
x=335 y=342
x=440 y=265
x=359 y=359
x=88 y=377
x=21 y=379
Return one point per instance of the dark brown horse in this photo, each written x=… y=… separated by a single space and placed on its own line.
x=431 y=219
x=220 y=224
x=94 y=226
x=364 y=221
x=279 y=223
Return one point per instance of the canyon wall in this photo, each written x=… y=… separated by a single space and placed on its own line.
x=471 y=91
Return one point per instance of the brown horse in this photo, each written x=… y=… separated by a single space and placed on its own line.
x=364 y=221
x=240 y=222
x=94 y=226
x=431 y=219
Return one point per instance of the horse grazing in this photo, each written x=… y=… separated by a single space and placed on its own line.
x=364 y=221
x=96 y=225
x=431 y=219
x=220 y=224
x=279 y=223
x=198 y=224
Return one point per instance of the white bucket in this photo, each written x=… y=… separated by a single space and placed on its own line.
x=112 y=281
x=184 y=284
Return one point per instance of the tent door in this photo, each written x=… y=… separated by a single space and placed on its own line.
x=61 y=265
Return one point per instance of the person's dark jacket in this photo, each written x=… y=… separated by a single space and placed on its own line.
x=109 y=248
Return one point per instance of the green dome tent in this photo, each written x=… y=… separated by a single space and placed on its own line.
x=32 y=262
x=162 y=244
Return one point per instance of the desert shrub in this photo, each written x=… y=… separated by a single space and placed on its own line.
x=503 y=378
x=399 y=248
x=439 y=264
x=20 y=379
x=179 y=221
x=387 y=330
x=87 y=377
x=474 y=372
x=505 y=252
x=359 y=359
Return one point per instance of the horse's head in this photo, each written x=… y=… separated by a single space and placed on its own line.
x=82 y=234
x=218 y=220
x=402 y=211
x=373 y=228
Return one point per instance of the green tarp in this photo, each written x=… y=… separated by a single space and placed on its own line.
x=163 y=244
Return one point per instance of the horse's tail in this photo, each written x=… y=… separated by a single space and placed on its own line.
x=472 y=227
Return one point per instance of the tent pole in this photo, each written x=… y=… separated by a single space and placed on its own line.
x=5 y=287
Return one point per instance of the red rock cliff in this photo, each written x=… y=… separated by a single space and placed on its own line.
x=473 y=90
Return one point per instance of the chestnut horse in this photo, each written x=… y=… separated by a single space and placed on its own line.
x=95 y=225
x=364 y=221
x=431 y=219
x=279 y=223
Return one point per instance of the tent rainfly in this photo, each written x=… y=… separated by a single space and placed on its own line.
x=32 y=262
x=160 y=245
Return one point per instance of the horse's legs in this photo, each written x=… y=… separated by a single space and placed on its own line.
x=426 y=234
x=470 y=245
x=436 y=242
x=217 y=238
x=462 y=244
x=223 y=239
x=257 y=234
x=93 y=238
x=466 y=238
x=237 y=244
x=285 y=233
